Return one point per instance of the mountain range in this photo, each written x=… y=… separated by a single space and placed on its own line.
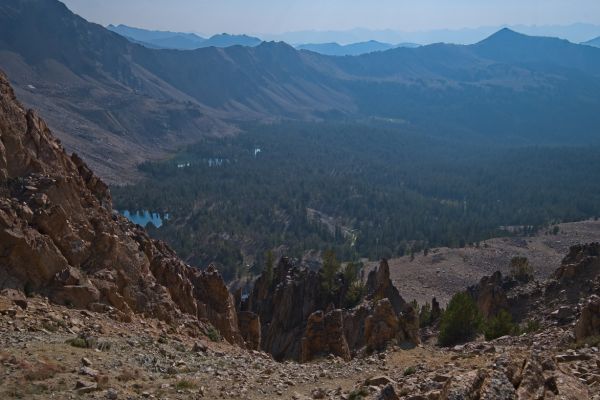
x=191 y=41
x=575 y=33
x=118 y=103
x=180 y=40
x=353 y=49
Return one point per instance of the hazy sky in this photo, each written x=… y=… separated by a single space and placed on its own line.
x=276 y=16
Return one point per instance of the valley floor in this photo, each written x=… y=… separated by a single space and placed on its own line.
x=446 y=271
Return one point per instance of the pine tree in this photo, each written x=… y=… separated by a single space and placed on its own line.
x=268 y=272
x=329 y=271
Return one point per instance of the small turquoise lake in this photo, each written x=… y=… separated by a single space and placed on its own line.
x=145 y=217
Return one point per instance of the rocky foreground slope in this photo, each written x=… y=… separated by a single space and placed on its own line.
x=48 y=350
x=91 y=307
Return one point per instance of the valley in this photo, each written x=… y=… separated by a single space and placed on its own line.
x=366 y=189
x=190 y=217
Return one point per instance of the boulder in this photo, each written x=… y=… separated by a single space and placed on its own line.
x=380 y=380
x=497 y=386
x=464 y=386
x=388 y=393
x=16 y=297
x=589 y=321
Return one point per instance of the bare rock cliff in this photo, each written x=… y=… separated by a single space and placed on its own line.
x=60 y=238
x=300 y=320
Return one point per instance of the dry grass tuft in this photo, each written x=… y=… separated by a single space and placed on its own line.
x=40 y=371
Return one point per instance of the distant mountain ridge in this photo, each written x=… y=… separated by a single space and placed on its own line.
x=594 y=42
x=191 y=41
x=353 y=49
x=118 y=103
x=575 y=33
x=180 y=40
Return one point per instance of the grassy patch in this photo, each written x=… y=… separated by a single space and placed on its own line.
x=89 y=343
x=532 y=326
x=358 y=394
x=185 y=384
x=39 y=371
x=213 y=334
x=78 y=342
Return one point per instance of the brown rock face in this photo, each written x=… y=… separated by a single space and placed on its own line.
x=589 y=321
x=582 y=262
x=381 y=326
x=490 y=295
x=379 y=286
x=59 y=236
x=284 y=305
x=250 y=329
x=299 y=321
x=324 y=335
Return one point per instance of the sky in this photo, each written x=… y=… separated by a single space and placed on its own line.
x=278 y=16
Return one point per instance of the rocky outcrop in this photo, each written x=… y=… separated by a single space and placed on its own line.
x=436 y=311
x=490 y=294
x=381 y=326
x=589 y=322
x=379 y=286
x=324 y=335
x=531 y=378
x=284 y=305
x=59 y=237
x=582 y=262
x=300 y=321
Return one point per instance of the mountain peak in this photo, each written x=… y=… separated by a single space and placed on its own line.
x=503 y=35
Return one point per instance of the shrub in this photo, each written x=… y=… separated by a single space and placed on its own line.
x=358 y=394
x=78 y=342
x=354 y=294
x=40 y=371
x=409 y=371
x=425 y=315
x=185 y=384
x=268 y=271
x=213 y=334
x=329 y=271
x=532 y=326
x=500 y=325
x=520 y=269
x=89 y=342
x=461 y=320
